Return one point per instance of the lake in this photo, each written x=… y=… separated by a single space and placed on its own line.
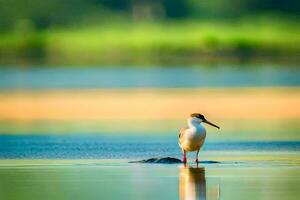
x=93 y=167
x=69 y=133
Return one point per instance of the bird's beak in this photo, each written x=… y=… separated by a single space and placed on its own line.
x=207 y=122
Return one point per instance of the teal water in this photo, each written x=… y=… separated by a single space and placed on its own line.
x=96 y=167
x=137 y=181
x=155 y=77
x=120 y=147
x=59 y=166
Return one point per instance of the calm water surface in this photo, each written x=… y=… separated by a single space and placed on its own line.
x=247 y=170
x=121 y=180
x=155 y=77
x=119 y=147
x=96 y=167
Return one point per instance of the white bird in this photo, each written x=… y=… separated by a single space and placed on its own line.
x=192 y=138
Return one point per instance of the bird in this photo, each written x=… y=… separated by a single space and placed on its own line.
x=192 y=137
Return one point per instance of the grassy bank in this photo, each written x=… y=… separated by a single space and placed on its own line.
x=164 y=43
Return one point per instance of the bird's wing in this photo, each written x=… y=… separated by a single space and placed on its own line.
x=182 y=132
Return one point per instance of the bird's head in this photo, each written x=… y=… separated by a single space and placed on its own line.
x=198 y=118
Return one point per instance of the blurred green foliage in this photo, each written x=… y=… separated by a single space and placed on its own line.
x=156 y=43
x=142 y=32
x=44 y=14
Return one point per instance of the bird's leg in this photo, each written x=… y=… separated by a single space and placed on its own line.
x=184 y=157
x=197 y=157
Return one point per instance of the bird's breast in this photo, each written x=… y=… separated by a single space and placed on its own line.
x=193 y=139
x=197 y=132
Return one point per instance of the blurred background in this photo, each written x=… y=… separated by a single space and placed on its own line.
x=141 y=32
x=136 y=67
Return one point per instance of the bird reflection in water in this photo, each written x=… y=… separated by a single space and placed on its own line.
x=192 y=184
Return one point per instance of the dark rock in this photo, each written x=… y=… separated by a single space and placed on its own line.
x=170 y=160
x=165 y=160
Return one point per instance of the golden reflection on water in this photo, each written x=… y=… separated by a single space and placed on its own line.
x=192 y=184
